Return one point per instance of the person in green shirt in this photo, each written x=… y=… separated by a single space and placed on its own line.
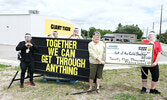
x=96 y=50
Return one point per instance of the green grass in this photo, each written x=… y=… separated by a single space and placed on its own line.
x=139 y=40
x=17 y=68
x=3 y=66
x=124 y=96
x=117 y=84
x=9 y=67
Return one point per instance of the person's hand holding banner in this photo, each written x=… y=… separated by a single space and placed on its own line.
x=154 y=64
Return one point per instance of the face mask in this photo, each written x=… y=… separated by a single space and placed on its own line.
x=28 y=38
x=152 y=38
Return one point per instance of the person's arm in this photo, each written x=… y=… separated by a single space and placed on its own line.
x=80 y=37
x=20 y=46
x=93 y=55
x=157 y=59
x=101 y=61
x=70 y=36
x=91 y=52
x=103 y=57
x=158 y=55
x=34 y=46
x=104 y=51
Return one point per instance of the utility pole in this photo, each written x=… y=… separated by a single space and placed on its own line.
x=143 y=32
x=147 y=33
x=160 y=23
x=153 y=27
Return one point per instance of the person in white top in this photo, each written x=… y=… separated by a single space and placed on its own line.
x=75 y=35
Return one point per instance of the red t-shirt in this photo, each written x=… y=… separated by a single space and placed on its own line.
x=157 y=48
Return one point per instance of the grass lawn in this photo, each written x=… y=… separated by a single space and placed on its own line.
x=3 y=66
x=121 y=84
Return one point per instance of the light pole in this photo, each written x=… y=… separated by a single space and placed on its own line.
x=160 y=24
x=153 y=27
x=147 y=33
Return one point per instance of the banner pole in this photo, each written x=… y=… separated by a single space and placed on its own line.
x=13 y=79
x=82 y=92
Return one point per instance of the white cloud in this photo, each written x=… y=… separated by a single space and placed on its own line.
x=105 y=14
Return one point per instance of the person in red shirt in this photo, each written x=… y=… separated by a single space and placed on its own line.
x=154 y=69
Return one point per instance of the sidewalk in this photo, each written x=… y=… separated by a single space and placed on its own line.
x=8 y=56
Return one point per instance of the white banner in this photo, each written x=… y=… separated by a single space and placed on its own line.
x=131 y=54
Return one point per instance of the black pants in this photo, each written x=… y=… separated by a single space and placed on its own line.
x=154 y=72
x=24 y=66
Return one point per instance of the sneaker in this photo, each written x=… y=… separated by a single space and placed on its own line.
x=143 y=90
x=32 y=83
x=154 y=91
x=22 y=86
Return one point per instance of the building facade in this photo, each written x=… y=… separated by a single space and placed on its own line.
x=120 y=37
x=14 y=26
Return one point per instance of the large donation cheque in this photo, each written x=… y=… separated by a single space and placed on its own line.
x=128 y=53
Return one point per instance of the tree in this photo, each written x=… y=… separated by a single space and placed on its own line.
x=102 y=32
x=84 y=33
x=163 y=37
x=129 y=29
x=91 y=31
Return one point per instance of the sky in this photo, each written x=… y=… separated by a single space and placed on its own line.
x=103 y=14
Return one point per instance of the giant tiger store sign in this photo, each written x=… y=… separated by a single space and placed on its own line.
x=67 y=58
x=62 y=27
